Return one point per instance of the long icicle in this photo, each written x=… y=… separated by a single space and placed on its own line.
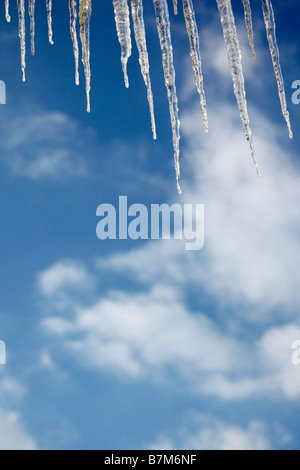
x=164 y=32
x=124 y=34
x=193 y=33
x=85 y=12
x=22 y=35
x=249 y=25
x=32 y=25
x=235 y=63
x=269 y=18
x=140 y=37
x=7 y=15
x=73 y=22
x=49 y=19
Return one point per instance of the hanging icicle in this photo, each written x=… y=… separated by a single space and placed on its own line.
x=124 y=34
x=269 y=18
x=164 y=32
x=32 y=25
x=235 y=63
x=122 y=19
x=140 y=38
x=7 y=15
x=73 y=22
x=193 y=33
x=249 y=25
x=21 y=12
x=49 y=19
x=85 y=12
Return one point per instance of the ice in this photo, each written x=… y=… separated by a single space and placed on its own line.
x=7 y=15
x=193 y=33
x=164 y=32
x=85 y=12
x=249 y=24
x=271 y=34
x=32 y=25
x=124 y=34
x=22 y=34
x=49 y=19
x=235 y=64
x=140 y=38
x=73 y=22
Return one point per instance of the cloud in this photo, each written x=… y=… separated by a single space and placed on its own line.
x=13 y=436
x=44 y=145
x=152 y=333
x=207 y=433
x=275 y=376
x=138 y=334
x=11 y=387
x=63 y=275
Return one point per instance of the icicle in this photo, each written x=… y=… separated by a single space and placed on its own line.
x=124 y=34
x=140 y=37
x=7 y=15
x=85 y=12
x=21 y=12
x=271 y=33
x=32 y=25
x=235 y=63
x=73 y=21
x=49 y=18
x=175 y=3
x=249 y=24
x=163 y=27
x=193 y=33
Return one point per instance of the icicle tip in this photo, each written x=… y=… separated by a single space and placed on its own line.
x=291 y=135
x=124 y=66
x=179 y=188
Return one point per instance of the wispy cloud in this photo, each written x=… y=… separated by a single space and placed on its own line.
x=13 y=436
x=44 y=145
x=208 y=433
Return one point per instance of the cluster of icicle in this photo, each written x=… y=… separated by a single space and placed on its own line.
x=122 y=17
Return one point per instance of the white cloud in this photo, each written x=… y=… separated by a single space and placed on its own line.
x=13 y=436
x=11 y=387
x=44 y=145
x=224 y=437
x=206 y=433
x=139 y=333
x=63 y=275
x=148 y=334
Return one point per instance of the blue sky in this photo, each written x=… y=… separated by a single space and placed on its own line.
x=140 y=344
